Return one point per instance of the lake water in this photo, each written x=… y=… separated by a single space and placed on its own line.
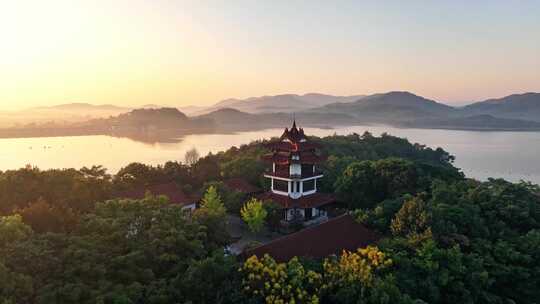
x=511 y=155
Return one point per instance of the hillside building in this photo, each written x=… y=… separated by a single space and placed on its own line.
x=294 y=177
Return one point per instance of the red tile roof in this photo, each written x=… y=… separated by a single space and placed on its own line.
x=309 y=201
x=175 y=194
x=332 y=237
x=241 y=185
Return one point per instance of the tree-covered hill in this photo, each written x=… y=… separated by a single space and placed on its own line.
x=64 y=238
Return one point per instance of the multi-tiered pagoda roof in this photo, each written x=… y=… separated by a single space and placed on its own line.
x=293 y=147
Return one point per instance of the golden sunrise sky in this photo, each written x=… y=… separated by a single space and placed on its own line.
x=199 y=52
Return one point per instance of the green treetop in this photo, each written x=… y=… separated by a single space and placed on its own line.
x=211 y=202
x=254 y=214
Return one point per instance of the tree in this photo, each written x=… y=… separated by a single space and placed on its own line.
x=12 y=229
x=43 y=217
x=412 y=220
x=367 y=183
x=266 y=281
x=127 y=251
x=65 y=188
x=358 y=185
x=212 y=215
x=357 y=277
x=213 y=279
x=191 y=157
x=439 y=275
x=205 y=170
x=232 y=200
x=95 y=172
x=248 y=168
x=211 y=202
x=275 y=215
x=254 y=214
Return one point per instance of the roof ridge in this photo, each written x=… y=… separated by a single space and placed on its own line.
x=305 y=229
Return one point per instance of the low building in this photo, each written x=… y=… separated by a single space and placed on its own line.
x=294 y=176
x=331 y=237
x=171 y=190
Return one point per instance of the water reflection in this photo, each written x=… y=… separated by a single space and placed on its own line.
x=512 y=155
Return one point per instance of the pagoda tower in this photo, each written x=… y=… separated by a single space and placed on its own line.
x=294 y=175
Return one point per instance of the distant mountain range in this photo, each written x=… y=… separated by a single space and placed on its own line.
x=515 y=112
x=281 y=103
x=403 y=109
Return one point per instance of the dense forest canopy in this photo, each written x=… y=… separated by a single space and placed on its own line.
x=66 y=238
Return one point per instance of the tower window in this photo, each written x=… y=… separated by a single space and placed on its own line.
x=280 y=185
x=309 y=185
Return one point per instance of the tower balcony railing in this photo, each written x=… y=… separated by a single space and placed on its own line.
x=287 y=174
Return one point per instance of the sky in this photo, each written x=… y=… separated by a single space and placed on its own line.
x=179 y=53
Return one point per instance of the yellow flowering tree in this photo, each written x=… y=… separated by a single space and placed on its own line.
x=356 y=276
x=355 y=267
x=353 y=277
x=272 y=282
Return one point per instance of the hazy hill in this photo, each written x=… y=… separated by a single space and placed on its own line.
x=518 y=106
x=59 y=114
x=231 y=116
x=81 y=107
x=281 y=103
x=228 y=119
x=390 y=107
x=163 y=117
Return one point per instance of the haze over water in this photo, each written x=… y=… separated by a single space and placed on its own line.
x=510 y=155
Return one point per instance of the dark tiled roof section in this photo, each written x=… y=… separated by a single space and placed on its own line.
x=241 y=185
x=288 y=146
x=294 y=134
x=308 y=201
x=332 y=237
x=175 y=194
x=285 y=158
x=306 y=158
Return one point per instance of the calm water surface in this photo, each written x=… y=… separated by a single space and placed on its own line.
x=511 y=155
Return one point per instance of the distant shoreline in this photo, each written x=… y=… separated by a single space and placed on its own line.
x=168 y=135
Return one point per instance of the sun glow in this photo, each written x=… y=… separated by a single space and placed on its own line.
x=188 y=52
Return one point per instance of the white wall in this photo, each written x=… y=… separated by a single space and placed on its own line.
x=295 y=169
x=190 y=207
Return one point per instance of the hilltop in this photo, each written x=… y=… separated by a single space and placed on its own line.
x=280 y=103
x=389 y=107
x=518 y=106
